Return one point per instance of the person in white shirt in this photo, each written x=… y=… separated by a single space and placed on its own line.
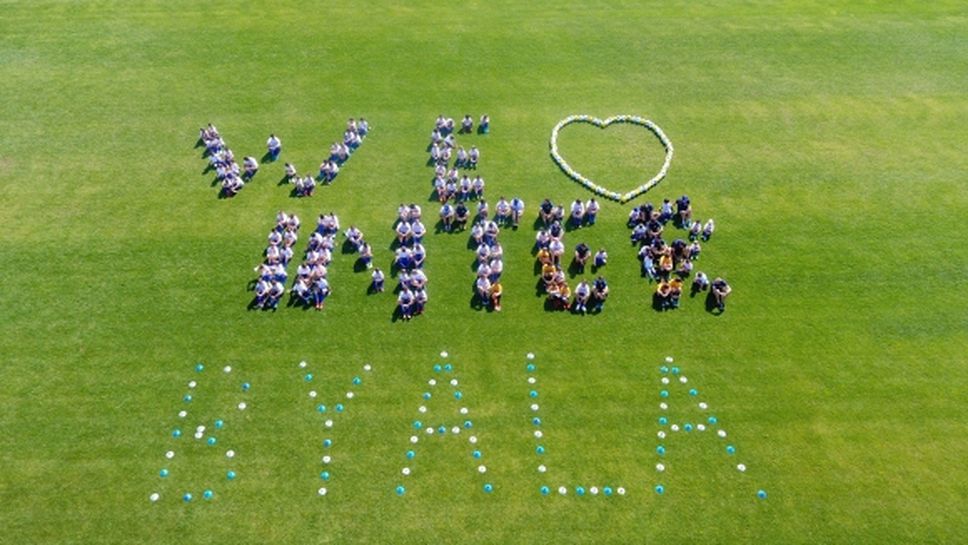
x=473 y=156
x=502 y=211
x=447 y=216
x=478 y=187
x=600 y=260
x=276 y=290
x=517 y=210
x=274 y=147
x=377 y=279
x=582 y=292
x=707 y=230
x=483 y=286
x=577 y=213
x=290 y=172
x=591 y=211
x=321 y=291
x=261 y=293
x=251 y=166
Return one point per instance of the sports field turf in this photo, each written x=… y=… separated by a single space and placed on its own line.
x=827 y=139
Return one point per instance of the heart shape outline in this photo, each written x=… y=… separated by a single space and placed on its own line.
x=602 y=124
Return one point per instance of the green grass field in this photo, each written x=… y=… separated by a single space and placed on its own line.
x=826 y=138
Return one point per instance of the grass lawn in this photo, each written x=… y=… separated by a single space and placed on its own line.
x=826 y=139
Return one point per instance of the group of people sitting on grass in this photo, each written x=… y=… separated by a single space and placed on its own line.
x=222 y=160
x=339 y=153
x=671 y=265
x=489 y=261
x=271 y=278
x=445 y=126
x=450 y=185
x=550 y=250
x=311 y=287
x=408 y=261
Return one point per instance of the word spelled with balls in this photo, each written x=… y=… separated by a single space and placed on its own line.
x=443 y=414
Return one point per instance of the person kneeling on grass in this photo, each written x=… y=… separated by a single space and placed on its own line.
x=251 y=166
x=483 y=286
x=274 y=147
x=721 y=291
x=662 y=292
x=496 y=292
x=707 y=230
x=599 y=294
x=290 y=171
x=302 y=290
x=601 y=258
x=583 y=293
x=261 y=292
x=405 y=303
x=276 y=290
x=675 y=292
x=377 y=279
x=320 y=292
x=582 y=253
x=701 y=282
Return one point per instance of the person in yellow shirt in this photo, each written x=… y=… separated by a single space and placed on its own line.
x=675 y=291
x=496 y=292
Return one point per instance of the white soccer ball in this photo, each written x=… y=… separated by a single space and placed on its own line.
x=482 y=469
x=534 y=407
x=182 y=414
x=530 y=355
x=562 y=490
x=302 y=365
x=665 y=380
x=741 y=467
x=430 y=430
x=230 y=454
x=721 y=433
x=660 y=467
x=199 y=435
x=170 y=454
x=421 y=409
x=453 y=382
x=242 y=406
x=593 y=490
x=192 y=384
x=621 y=491
x=674 y=427
x=463 y=410
x=227 y=368
x=432 y=382
x=472 y=439
x=322 y=491
x=538 y=434
x=703 y=405
x=328 y=423
x=661 y=434
x=668 y=359
x=327 y=459
x=405 y=471
x=701 y=427
x=350 y=395
x=683 y=379
x=455 y=430
x=663 y=405
x=542 y=469
x=444 y=354
x=367 y=367
x=313 y=394
x=414 y=439
x=200 y=428
x=154 y=497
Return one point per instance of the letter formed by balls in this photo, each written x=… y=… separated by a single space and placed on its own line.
x=427 y=426
x=673 y=384
x=329 y=415
x=199 y=436
x=540 y=448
